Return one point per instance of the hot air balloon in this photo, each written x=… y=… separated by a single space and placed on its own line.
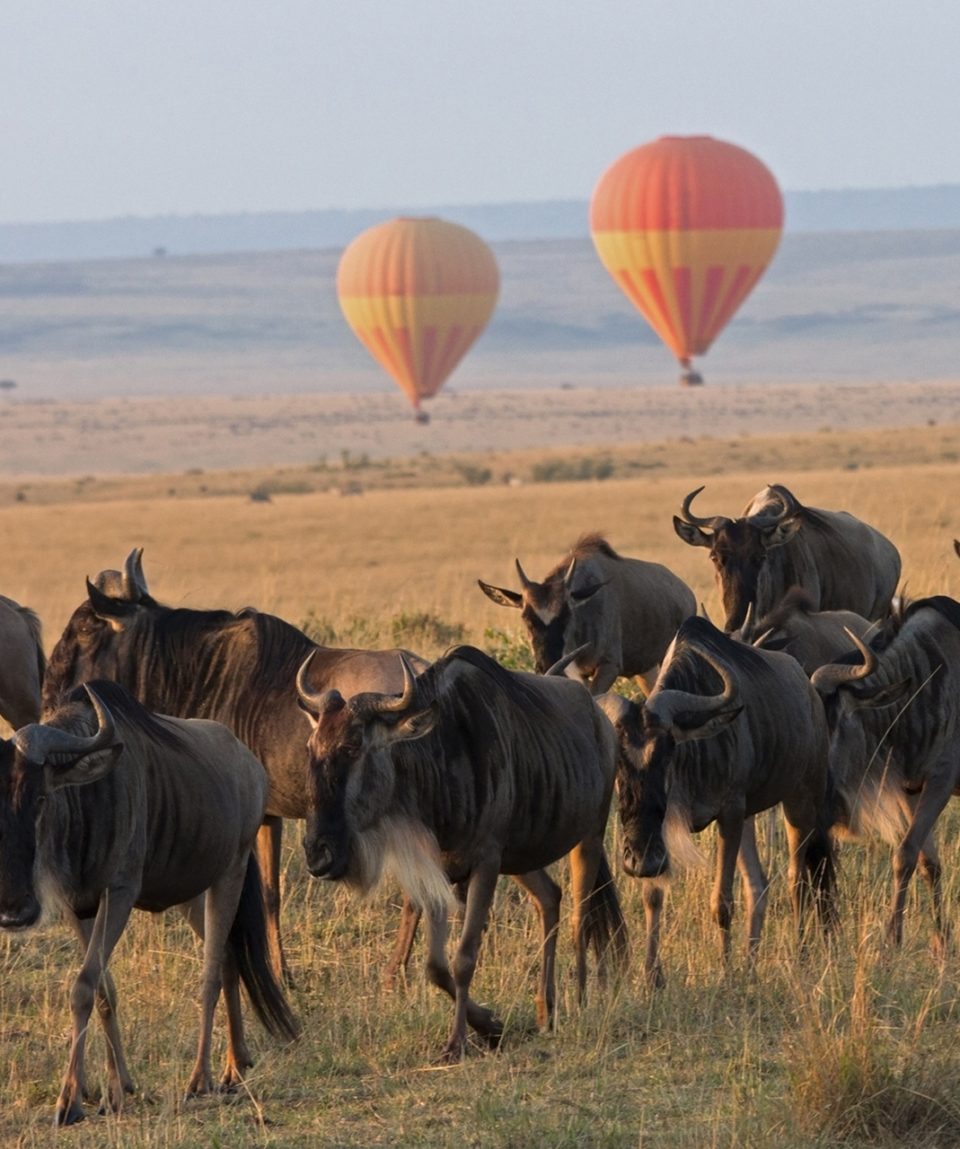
x=417 y=293
x=686 y=225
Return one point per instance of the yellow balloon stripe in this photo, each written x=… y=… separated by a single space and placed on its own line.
x=418 y=339
x=687 y=284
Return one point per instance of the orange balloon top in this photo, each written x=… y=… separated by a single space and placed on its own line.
x=680 y=182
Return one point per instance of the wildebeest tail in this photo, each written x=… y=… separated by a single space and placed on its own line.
x=604 y=926
x=247 y=946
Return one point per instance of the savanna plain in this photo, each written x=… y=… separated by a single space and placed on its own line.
x=849 y=1044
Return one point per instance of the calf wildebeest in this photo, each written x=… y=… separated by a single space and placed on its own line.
x=238 y=669
x=472 y=772
x=812 y=637
x=622 y=611
x=106 y=808
x=777 y=543
x=896 y=768
x=21 y=663
x=728 y=731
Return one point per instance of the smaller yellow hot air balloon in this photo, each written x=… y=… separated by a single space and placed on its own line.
x=417 y=292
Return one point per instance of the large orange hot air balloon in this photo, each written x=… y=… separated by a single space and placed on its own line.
x=417 y=293
x=686 y=225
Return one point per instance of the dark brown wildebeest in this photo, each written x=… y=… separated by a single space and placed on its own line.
x=777 y=543
x=812 y=637
x=21 y=663
x=472 y=772
x=623 y=612
x=106 y=808
x=238 y=669
x=896 y=766
x=728 y=731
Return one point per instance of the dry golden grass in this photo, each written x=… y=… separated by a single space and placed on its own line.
x=854 y=1045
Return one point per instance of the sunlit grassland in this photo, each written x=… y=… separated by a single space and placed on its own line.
x=850 y=1044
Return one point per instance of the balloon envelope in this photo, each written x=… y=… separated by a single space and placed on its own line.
x=686 y=225
x=417 y=293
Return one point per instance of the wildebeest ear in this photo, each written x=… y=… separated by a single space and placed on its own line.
x=691 y=533
x=87 y=768
x=781 y=533
x=713 y=724
x=115 y=611
x=414 y=725
x=500 y=595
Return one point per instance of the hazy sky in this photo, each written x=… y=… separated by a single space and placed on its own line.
x=145 y=107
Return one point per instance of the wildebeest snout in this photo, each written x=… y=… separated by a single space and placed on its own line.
x=650 y=862
x=20 y=916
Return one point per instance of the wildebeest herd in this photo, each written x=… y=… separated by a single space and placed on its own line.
x=159 y=749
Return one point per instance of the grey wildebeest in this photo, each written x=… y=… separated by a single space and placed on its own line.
x=896 y=766
x=236 y=668
x=622 y=611
x=812 y=637
x=105 y=808
x=728 y=731
x=21 y=663
x=777 y=543
x=472 y=772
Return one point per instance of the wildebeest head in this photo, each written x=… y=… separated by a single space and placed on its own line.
x=739 y=547
x=649 y=740
x=352 y=777
x=546 y=608
x=85 y=650
x=35 y=762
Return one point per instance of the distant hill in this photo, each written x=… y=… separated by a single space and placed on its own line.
x=894 y=209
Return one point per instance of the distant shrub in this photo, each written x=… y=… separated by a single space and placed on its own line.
x=320 y=630
x=472 y=475
x=510 y=650
x=260 y=494
x=421 y=630
x=567 y=470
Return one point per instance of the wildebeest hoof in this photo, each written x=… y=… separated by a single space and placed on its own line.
x=68 y=1115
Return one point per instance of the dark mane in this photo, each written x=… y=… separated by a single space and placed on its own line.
x=590 y=544
x=686 y=672
x=128 y=712
x=513 y=686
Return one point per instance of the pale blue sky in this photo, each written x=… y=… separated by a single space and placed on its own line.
x=140 y=107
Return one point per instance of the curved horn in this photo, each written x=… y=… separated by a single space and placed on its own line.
x=665 y=705
x=790 y=508
x=762 y=638
x=386 y=703
x=314 y=702
x=749 y=619
x=558 y=670
x=570 y=569
x=39 y=742
x=827 y=679
x=525 y=583
x=134 y=585
x=715 y=522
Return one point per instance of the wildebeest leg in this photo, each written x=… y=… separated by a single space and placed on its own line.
x=480 y=889
x=119 y=1079
x=546 y=897
x=269 y=841
x=755 y=885
x=109 y=923
x=605 y=675
x=219 y=911
x=933 y=798
x=438 y=972
x=652 y=893
x=931 y=872
x=584 y=865
x=730 y=828
x=410 y=914
x=238 y=1053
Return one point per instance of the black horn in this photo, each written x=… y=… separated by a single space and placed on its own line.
x=39 y=743
x=387 y=704
x=714 y=522
x=827 y=679
x=315 y=703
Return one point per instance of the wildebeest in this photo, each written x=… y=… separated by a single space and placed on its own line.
x=622 y=611
x=777 y=543
x=894 y=714
x=472 y=772
x=21 y=663
x=106 y=807
x=728 y=731
x=812 y=637
x=238 y=669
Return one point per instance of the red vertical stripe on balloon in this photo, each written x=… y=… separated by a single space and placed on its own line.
x=682 y=286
